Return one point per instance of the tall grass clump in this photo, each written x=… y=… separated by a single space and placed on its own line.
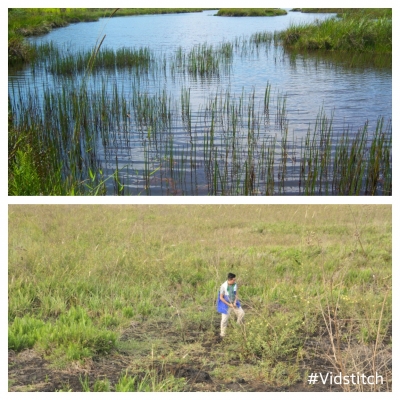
x=332 y=164
x=205 y=60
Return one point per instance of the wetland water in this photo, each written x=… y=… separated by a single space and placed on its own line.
x=209 y=106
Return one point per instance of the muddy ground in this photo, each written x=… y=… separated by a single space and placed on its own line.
x=29 y=371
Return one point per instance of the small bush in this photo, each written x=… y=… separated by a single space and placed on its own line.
x=273 y=340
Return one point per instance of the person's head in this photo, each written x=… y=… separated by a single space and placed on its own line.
x=231 y=278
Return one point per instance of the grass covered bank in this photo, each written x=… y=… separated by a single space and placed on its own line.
x=24 y=22
x=122 y=298
x=250 y=12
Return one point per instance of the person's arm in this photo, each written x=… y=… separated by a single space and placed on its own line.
x=221 y=297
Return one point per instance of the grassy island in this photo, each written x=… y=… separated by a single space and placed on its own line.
x=250 y=12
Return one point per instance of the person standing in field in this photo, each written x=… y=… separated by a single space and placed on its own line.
x=228 y=301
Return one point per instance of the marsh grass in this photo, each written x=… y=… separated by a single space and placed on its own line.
x=106 y=59
x=238 y=154
x=237 y=158
x=354 y=12
x=313 y=280
x=250 y=12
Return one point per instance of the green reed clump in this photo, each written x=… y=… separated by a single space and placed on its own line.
x=262 y=38
x=347 y=164
x=205 y=60
x=133 y=57
x=380 y=157
x=152 y=113
x=106 y=59
x=45 y=51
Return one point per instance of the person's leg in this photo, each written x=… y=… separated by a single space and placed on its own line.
x=240 y=314
x=224 y=323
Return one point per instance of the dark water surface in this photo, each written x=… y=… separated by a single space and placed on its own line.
x=303 y=87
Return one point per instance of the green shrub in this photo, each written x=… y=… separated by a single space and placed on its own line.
x=273 y=340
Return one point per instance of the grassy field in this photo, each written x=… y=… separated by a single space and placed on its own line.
x=122 y=298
